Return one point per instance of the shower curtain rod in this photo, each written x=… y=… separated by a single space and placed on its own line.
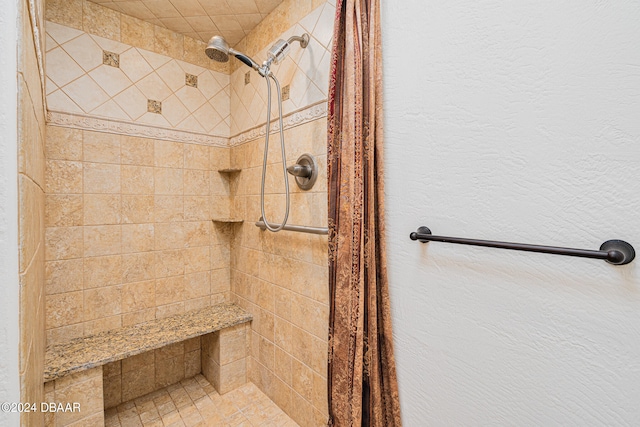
x=617 y=252
x=299 y=228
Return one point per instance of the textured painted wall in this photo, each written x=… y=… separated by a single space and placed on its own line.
x=517 y=122
x=9 y=264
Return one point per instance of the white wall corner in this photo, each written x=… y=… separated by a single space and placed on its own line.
x=9 y=279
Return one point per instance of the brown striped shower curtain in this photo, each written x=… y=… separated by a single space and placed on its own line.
x=362 y=383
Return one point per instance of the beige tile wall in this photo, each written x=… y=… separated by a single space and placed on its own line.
x=136 y=376
x=110 y=24
x=281 y=278
x=31 y=166
x=129 y=235
x=286 y=15
x=82 y=388
x=305 y=71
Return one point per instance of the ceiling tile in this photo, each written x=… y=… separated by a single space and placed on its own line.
x=179 y=25
x=266 y=6
x=199 y=19
x=227 y=23
x=137 y=9
x=243 y=6
x=202 y=23
x=216 y=7
x=188 y=7
x=162 y=8
x=249 y=21
x=233 y=36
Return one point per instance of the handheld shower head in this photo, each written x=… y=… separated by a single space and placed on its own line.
x=218 y=49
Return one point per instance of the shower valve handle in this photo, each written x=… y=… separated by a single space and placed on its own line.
x=303 y=171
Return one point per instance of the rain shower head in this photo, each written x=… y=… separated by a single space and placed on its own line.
x=218 y=49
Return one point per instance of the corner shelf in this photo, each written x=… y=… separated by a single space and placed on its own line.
x=228 y=220
x=229 y=171
x=229 y=174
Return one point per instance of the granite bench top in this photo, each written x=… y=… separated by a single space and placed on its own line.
x=109 y=346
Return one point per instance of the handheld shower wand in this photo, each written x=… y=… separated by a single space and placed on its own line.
x=218 y=49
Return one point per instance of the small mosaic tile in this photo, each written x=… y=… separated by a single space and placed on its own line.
x=285 y=92
x=247 y=78
x=154 y=106
x=110 y=58
x=191 y=80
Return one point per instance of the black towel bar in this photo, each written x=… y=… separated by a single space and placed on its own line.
x=617 y=252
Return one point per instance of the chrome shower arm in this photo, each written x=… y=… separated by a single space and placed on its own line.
x=304 y=40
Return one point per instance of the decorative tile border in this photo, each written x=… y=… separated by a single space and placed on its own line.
x=297 y=118
x=79 y=121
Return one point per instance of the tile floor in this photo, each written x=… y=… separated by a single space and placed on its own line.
x=194 y=402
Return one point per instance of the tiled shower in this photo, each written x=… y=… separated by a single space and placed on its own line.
x=149 y=189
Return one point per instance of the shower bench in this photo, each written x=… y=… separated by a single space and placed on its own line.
x=73 y=370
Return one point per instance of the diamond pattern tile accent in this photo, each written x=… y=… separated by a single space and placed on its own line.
x=305 y=72
x=192 y=98
x=201 y=19
x=134 y=65
x=110 y=58
x=111 y=80
x=83 y=78
x=132 y=101
x=86 y=93
x=154 y=106
x=61 y=68
x=85 y=51
x=153 y=87
x=191 y=80
x=172 y=75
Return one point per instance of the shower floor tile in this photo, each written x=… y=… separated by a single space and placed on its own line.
x=194 y=402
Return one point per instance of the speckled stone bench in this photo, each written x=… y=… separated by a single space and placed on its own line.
x=73 y=370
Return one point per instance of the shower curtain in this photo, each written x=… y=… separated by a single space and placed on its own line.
x=362 y=383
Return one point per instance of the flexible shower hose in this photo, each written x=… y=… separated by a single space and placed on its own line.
x=266 y=154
